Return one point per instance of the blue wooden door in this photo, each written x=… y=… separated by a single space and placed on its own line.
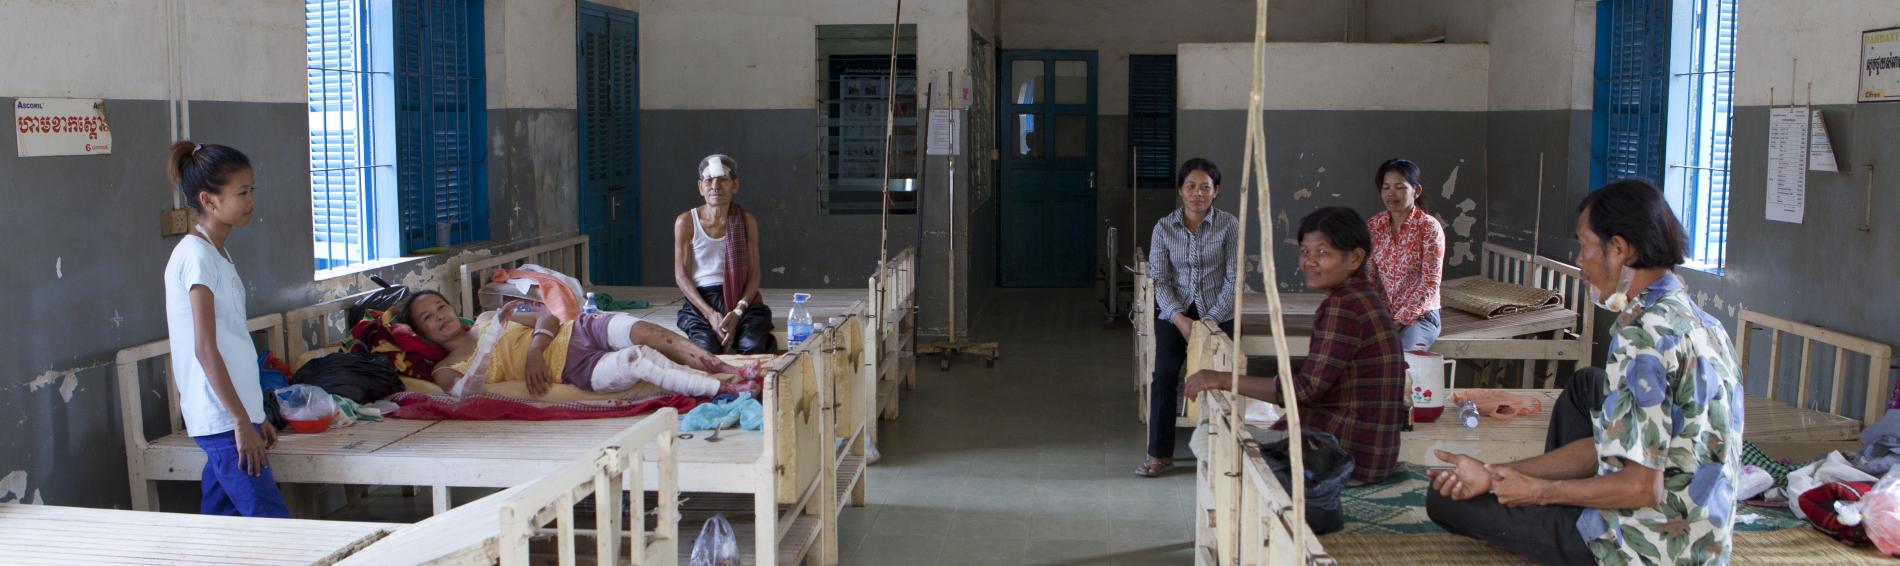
x=1046 y=104
x=609 y=57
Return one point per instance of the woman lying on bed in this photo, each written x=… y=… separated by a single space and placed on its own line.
x=600 y=353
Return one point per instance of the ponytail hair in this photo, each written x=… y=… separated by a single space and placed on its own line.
x=1410 y=172
x=198 y=168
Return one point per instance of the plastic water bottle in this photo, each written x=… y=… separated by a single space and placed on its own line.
x=590 y=307
x=1468 y=414
x=798 y=322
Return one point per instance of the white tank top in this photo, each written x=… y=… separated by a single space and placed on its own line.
x=709 y=256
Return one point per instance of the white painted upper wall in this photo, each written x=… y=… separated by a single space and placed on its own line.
x=1115 y=29
x=1337 y=76
x=1825 y=36
x=1543 y=54
x=748 y=54
x=531 y=50
x=234 y=50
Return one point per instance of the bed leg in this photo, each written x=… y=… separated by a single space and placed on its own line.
x=145 y=495
x=439 y=499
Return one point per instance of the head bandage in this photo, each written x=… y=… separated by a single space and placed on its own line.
x=717 y=165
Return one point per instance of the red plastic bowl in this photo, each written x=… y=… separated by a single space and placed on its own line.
x=1419 y=414
x=309 y=426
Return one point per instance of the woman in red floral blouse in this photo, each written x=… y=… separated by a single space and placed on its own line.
x=1408 y=254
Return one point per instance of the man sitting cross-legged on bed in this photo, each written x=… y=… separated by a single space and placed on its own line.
x=1642 y=457
x=602 y=353
x=716 y=265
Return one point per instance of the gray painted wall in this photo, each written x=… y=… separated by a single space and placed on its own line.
x=533 y=179
x=802 y=247
x=1332 y=155
x=89 y=260
x=1824 y=272
x=95 y=218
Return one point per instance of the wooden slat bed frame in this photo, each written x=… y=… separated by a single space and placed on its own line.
x=1549 y=336
x=54 y=535
x=1880 y=357
x=132 y=405
x=782 y=466
x=882 y=335
x=501 y=528
x=1765 y=420
x=1242 y=514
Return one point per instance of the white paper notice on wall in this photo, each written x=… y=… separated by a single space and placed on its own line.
x=61 y=126
x=1820 y=150
x=1787 y=164
x=946 y=132
x=1880 y=65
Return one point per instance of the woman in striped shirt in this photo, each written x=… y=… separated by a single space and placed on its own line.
x=1191 y=261
x=1408 y=254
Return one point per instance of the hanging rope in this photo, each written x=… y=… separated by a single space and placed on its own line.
x=1257 y=159
x=890 y=128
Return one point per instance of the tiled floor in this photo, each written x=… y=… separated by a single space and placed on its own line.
x=1030 y=462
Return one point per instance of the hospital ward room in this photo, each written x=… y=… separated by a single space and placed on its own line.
x=950 y=282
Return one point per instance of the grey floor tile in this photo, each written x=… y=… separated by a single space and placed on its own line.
x=983 y=551
x=885 y=549
x=905 y=521
x=1067 y=551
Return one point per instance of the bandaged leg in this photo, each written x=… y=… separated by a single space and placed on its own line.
x=620 y=370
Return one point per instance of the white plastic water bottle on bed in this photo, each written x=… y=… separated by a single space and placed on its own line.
x=798 y=322
x=590 y=307
x=1468 y=414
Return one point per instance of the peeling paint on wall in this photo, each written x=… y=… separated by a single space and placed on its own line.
x=1462 y=224
x=13 y=486
x=1451 y=184
x=779 y=270
x=68 y=381
x=1302 y=194
x=1460 y=253
x=59 y=271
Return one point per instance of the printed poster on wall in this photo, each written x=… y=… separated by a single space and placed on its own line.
x=1820 y=150
x=61 y=126
x=1788 y=163
x=1880 y=65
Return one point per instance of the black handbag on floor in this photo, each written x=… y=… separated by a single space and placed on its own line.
x=1328 y=466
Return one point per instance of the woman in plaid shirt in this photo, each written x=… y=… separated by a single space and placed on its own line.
x=1352 y=383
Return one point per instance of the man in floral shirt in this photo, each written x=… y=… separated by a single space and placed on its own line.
x=1643 y=456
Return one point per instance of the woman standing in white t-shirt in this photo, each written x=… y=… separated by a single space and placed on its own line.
x=218 y=391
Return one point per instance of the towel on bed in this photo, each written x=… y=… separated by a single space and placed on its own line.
x=486 y=407
x=1492 y=299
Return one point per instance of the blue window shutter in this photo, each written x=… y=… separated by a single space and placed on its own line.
x=441 y=121
x=1151 y=118
x=1632 y=90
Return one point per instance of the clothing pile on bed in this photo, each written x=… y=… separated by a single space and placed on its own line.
x=1853 y=498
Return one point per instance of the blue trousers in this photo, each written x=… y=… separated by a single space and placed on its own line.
x=1421 y=334
x=228 y=490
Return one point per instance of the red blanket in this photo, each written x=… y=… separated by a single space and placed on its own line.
x=484 y=407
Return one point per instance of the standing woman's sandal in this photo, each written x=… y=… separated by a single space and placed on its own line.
x=1154 y=467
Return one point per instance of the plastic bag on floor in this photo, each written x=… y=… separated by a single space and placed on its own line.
x=716 y=545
